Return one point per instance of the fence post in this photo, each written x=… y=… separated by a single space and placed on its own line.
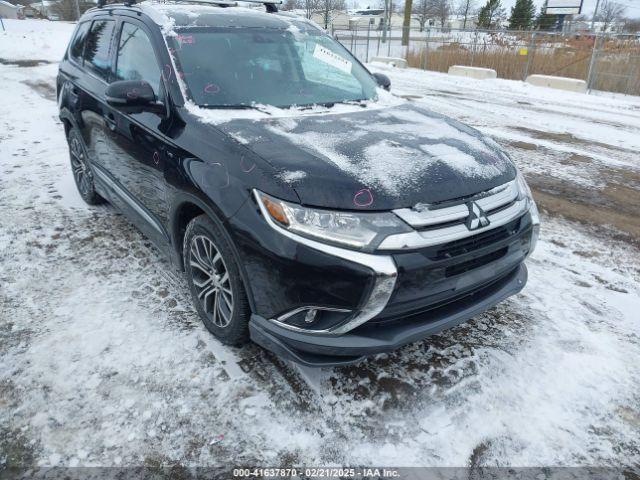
x=473 y=49
x=426 y=50
x=592 y=65
x=389 y=39
x=368 y=34
x=532 y=46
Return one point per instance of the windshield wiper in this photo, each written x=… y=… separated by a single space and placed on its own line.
x=235 y=107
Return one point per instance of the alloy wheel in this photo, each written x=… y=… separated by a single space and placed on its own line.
x=81 y=171
x=211 y=280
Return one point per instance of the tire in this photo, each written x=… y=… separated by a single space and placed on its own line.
x=81 y=170
x=215 y=282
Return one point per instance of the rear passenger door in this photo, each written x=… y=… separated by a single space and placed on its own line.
x=90 y=88
x=138 y=142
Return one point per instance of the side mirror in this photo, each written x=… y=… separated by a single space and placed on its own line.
x=383 y=81
x=133 y=96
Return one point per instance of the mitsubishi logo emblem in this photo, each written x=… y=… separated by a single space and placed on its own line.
x=477 y=217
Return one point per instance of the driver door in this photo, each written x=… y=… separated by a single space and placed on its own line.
x=139 y=147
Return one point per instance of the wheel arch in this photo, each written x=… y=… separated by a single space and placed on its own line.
x=68 y=120
x=186 y=208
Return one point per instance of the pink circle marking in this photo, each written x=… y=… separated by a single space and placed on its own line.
x=363 y=198
x=156 y=158
x=211 y=88
x=243 y=166
x=133 y=93
x=167 y=72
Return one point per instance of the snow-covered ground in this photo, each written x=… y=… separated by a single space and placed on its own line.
x=104 y=361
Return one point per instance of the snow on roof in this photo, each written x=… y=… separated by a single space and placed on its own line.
x=10 y=5
x=173 y=15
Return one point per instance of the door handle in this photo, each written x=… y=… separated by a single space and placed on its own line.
x=110 y=120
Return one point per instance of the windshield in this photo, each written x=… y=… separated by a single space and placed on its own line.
x=237 y=67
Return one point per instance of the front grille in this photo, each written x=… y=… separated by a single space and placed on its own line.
x=459 y=268
x=471 y=244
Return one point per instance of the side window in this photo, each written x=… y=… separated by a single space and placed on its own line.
x=77 y=44
x=136 y=59
x=98 y=48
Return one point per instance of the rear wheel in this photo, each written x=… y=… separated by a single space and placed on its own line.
x=81 y=170
x=215 y=283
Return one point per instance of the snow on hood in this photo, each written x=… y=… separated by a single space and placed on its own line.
x=394 y=157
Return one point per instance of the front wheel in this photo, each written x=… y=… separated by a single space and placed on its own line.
x=81 y=170
x=215 y=283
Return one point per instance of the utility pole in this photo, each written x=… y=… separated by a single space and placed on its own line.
x=595 y=14
x=406 y=24
x=385 y=19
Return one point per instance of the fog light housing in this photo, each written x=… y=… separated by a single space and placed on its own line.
x=313 y=318
x=310 y=316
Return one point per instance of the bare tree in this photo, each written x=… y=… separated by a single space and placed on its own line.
x=441 y=10
x=327 y=7
x=422 y=12
x=70 y=9
x=310 y=7
x=465 y=8
x=609 y=13
x=291 y=4
x=632 y=25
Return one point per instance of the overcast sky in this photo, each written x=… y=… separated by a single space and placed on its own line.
x=632 y=6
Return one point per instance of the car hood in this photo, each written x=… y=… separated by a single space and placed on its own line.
x=375 y=159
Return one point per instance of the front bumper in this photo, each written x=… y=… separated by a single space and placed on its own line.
x=430 y=288
x=326 y=350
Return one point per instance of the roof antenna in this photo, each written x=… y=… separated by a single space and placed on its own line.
x=102 y=3
x=128 y=3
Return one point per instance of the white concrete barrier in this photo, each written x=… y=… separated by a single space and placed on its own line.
x=394 y=62
x=561 y=83
x=472 y=72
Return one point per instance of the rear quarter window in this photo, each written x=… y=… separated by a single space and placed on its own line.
x=77 y=44
x=97 y=49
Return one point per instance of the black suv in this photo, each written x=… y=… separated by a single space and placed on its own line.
x=311 y=210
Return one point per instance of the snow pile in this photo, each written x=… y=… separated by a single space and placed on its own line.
x=401 y=147
x=34 y=40
x=460 y=161
x=217 y=116
x=291 y=177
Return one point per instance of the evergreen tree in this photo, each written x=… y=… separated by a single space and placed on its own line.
x=544 y=21
x=522 y=15
x=490 y=15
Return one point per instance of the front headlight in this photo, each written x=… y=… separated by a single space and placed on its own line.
x=525 y=192
x=357 y=230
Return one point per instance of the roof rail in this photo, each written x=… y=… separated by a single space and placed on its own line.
x=128 y=3
x=270 y=5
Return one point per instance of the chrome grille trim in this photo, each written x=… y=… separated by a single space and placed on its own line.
x=504 y=199
x=431 y=215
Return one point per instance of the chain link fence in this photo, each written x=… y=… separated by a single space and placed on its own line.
x=608 y=62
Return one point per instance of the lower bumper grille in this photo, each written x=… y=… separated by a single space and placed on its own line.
x=467 y=245
x=457 y=301
x=475 y=263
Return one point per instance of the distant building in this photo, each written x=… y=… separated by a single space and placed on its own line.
x=584 y=27
x=30 y=12
x=46 y=8
x=9 y=10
